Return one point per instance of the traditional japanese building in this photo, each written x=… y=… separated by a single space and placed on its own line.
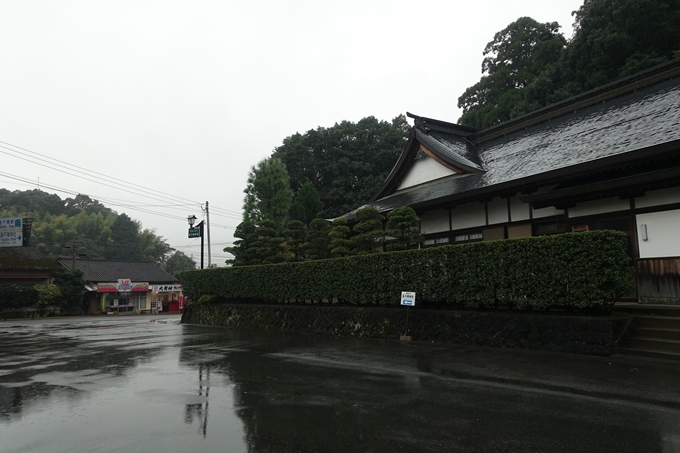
x=606 y=159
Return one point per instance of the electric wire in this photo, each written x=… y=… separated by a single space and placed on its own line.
x=153 y=193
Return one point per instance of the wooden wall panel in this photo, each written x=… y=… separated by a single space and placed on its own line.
x=658 y=280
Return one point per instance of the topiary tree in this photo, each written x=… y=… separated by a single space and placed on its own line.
x=340 y=245
x=369 y=231
x=318 y=241
x=402 y=224
x=294 y=233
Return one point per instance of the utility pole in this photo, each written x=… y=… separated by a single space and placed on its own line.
x=207 y=218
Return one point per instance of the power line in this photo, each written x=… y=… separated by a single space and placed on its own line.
x=157 y=195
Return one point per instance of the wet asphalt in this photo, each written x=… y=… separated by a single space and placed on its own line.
x=150 y=384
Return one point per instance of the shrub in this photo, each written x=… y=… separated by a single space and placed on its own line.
x=573 y=271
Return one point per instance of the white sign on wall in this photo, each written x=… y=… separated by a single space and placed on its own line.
x=408 y=298
x=11 y=232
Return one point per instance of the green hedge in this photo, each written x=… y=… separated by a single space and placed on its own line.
x=574 y=270
x=18 y=296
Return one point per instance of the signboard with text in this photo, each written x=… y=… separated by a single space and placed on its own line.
x=167 y=288
x=11 y=232
x=408 y=298
x=194 y=232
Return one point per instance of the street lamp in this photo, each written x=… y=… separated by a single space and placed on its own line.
x=195 y=232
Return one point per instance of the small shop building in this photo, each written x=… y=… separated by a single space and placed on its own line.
x=127 y=287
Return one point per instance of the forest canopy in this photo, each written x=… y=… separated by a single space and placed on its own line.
x=529 y=65
x=82 y=226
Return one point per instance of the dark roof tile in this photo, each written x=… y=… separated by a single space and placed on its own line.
x=25 y=258
x=111 y=271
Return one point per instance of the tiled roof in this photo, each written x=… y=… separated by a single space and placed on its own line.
x=110 y=271
x=621 y=128
x=453 y=149
x=25 y=258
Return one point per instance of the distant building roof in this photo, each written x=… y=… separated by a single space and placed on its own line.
x=25 y=259
x=110 y=271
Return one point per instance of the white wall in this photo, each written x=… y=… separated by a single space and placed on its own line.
x=658 y=197
x=599 y=206
x=434 y=221
x=663 y=234
x=546 y=212
x=468 y=216
x=498 y=210
x=424 y=170
x=518 y=210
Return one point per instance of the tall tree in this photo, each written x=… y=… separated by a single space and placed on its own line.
x=346 y=163
x=179 y=262
x=617 y=38
x=306 y=205
x=268 y=193
x=243 y=248
x=612 y=39
x=85 y=203
x=123 y=244
x=515 y=57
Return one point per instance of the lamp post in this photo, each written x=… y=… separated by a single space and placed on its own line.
x=196 y=232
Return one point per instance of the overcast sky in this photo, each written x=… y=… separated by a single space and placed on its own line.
x=163 y=105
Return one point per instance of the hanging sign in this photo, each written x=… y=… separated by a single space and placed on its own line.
x=408 y=298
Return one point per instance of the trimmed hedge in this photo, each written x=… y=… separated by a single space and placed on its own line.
x=575 y=270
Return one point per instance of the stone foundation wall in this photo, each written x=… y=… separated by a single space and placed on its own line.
x=577 y=334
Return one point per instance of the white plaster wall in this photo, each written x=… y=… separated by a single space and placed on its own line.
x=546 y=212
x=598 y=207
x=424 y=170
x=663 y=234
x=468 y=216
x=498 y=210
x=658 y=198
x=518 y=210
x=434 y=221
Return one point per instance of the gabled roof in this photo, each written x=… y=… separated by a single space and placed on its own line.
x=110 y=271
x=25 y=258
x=629 y=121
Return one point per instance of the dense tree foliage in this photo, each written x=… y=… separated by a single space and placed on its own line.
x=82 y=226
x=514 y=58
x=402 y=229
x=529 y=65
x=307 y=205
x=317 y=242
x=341 y=244
x=268 y=193
x=368 y=231
x=346 y=163
x=178 y=262
x=72 y=287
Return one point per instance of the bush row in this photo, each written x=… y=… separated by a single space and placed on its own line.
x=574 y=270
x=18 y=296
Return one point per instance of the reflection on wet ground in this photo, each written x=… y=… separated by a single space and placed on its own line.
x=153 y=385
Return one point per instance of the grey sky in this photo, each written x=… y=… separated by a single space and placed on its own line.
x=183 y=97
